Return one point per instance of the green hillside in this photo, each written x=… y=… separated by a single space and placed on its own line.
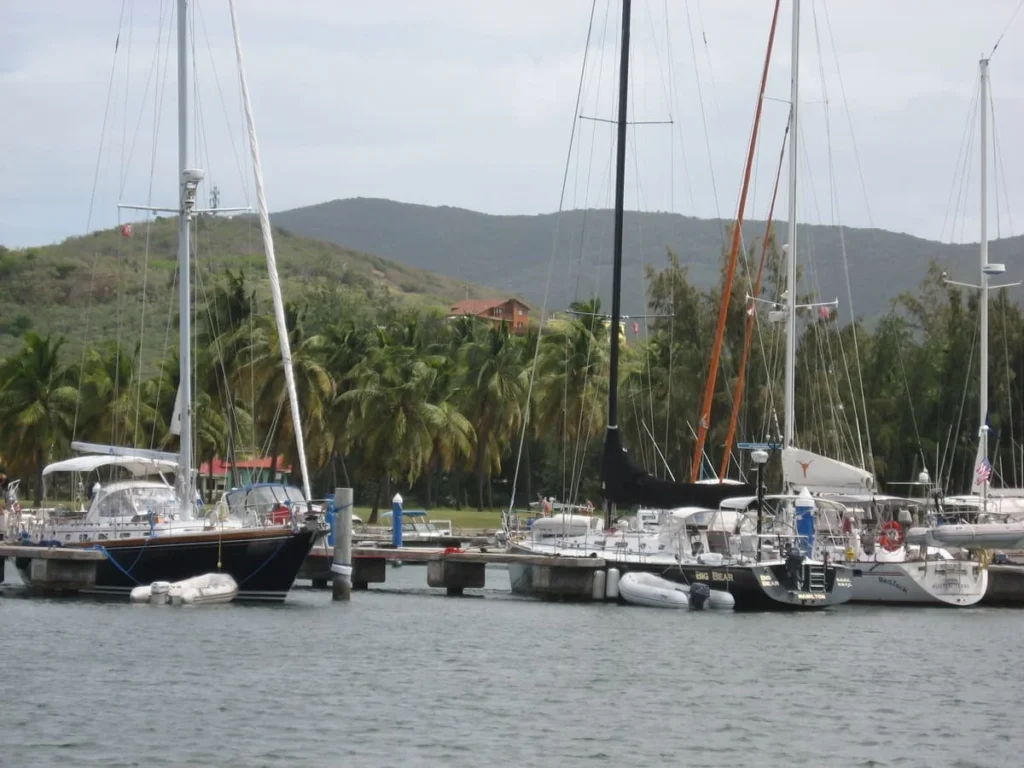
x=513 y=253
x=91 y=288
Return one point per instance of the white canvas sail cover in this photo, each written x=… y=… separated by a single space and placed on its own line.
x=820 y=474
x=175 y=425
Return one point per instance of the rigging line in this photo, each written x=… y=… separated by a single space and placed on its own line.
x=88 y=220
x=751 y=315
x=834 y=206
x=127 y=89
x=154 y=66
x=963 y=398
x=590 y=163
x=579 y=263
x=726 y=299
x=551 y=262
x=1001 y=169
x=220 y=95
x=704 y=121
x=158 y=93
x=961 y=160
x=1006 y=28
x=1009 y=391
x=641 y=202
x=910 y=400
x=673 y=97
x=163 y=357
x=961 y=197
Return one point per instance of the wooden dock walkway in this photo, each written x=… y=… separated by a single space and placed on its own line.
x=457 y=570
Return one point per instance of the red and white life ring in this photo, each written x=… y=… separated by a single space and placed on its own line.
x=892 y=536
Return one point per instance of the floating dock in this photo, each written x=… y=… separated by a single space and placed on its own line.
x=56 y=570
x=565 y=578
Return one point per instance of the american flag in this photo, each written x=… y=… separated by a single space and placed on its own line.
x=984 y=472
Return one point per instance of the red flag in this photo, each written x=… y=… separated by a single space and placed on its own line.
x=126 y=230
x=636 y=327
x=824 y=313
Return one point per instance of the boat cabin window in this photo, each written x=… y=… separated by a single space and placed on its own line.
x=262 y=499
x=127 y=502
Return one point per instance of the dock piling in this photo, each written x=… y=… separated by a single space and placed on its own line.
x=341 y=567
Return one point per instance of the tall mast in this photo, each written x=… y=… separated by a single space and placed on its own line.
x=983 y=106
x=188 y=180
x=620 y=186
x=983 y=255
x=794 y=93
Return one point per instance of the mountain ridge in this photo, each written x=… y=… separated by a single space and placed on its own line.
x=512 y=253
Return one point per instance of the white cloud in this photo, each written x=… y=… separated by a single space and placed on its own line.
x=468 y=103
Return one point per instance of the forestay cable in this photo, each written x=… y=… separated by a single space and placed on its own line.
x=268 y=247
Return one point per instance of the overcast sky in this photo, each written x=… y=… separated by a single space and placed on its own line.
x=470 y=104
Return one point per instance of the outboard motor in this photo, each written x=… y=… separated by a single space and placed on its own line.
x=700 y=593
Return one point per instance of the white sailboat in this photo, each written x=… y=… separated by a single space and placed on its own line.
x=156 y=530
x=995 y=515
x=885 y=568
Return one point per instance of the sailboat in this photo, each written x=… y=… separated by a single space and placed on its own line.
x=891 y=561
x=993 y=516
x=694 y=543
x=150 y=527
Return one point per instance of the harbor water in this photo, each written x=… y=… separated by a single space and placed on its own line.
x=405 y=676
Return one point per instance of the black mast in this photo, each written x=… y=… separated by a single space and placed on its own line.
x=621 y=481
x=620 y=188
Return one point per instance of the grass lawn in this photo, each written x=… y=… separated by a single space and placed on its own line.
x=466 y=518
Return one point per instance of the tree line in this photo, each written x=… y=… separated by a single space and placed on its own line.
x=395 y=398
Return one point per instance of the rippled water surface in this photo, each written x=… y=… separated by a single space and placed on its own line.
x=406 y=676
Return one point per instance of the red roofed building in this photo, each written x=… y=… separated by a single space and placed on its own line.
x=511 y=311
x=216 y=478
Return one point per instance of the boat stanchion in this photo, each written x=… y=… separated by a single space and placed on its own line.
x=341 y=530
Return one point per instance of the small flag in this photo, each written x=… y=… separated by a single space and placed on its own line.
x=824 y=313
x=984 y=472
x=126 y=230
x=636 y=327
x=750 y=311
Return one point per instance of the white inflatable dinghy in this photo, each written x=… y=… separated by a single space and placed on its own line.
x=208 y=589
x=639 y=588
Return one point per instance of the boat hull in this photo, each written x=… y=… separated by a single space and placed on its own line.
x=754 y=586
x=955 y=583
x=264 y=562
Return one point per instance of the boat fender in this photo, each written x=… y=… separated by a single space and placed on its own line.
x=612 y=584
x=599 y=585
x=699 y=595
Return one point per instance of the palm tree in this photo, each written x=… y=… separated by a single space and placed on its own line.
x=494 y=385
x=114 y=410
x=37 y=406
x=262 y=370
x=390 y=416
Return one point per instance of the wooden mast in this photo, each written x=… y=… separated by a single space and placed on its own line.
x=709 y=387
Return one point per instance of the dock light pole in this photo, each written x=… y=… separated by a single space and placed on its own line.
x=759 y=457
